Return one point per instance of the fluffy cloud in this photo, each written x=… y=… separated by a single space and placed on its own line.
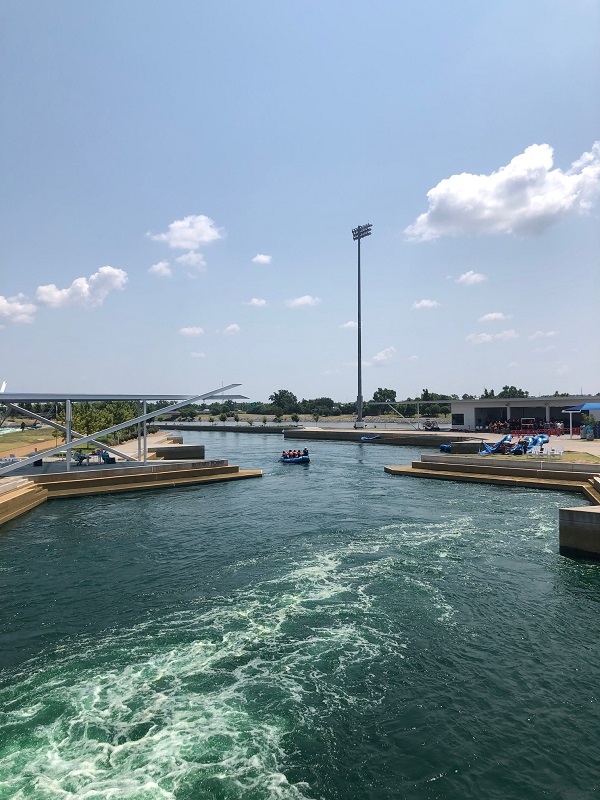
x=543 y=334
x=257 y=302
x=525 y=197
x=189 y=233
x=494 y=316
x=192 y=259
x=383 y=356
x=349 y=324
x=162 y=269
x=421 y=304
x=261 y=258
x=14 y=309
x=486 y=338
x=232 y=329
x=413 y=358
x=470 y=278
x=89 y=292
x=302 y=302
x=191 y=331
x=198 y=355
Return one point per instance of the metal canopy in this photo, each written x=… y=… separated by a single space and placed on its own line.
x=74 y=439
x=77 y=397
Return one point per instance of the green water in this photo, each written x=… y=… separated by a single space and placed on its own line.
x=326 y=631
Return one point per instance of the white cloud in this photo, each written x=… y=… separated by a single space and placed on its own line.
x=89 y=292
x=494 y=316
x=198 y=355
x=232 y=329
x=349 y=324
x=261 y=258
x=189 y=233
x=486 y=338
x=543 y=334
x=470 y=278
x=14 y=309
x=191 y=331
x=562 y=369
x=302 y=302
x=548 y=349
x=257 y=302
x=480 y=338
x=192 y=259
x=383 y=356
x=506 y=335
x=525 y=197
x=413 y=358
x=162 y=269
x=421 y=304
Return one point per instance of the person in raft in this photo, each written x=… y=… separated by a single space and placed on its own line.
x=305 y=451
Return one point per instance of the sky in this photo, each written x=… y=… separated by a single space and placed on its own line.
x=181 y=180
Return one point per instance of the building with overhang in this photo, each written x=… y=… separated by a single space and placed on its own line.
x=472 y=415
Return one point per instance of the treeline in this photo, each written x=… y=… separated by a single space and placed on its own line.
x=90 y=417
x=87 y=418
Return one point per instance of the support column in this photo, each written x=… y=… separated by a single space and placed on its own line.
x=68 y=411
x=139 y=432
x=144 y=412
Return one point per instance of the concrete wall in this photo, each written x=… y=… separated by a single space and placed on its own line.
x=579 y=532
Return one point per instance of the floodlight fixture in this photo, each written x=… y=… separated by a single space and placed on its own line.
x=361 y=231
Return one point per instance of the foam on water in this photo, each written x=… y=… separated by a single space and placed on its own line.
x=205 y=698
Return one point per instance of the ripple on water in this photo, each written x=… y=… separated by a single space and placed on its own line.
x=384 y=638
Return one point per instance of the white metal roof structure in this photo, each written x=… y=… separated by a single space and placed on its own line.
x=74 y=439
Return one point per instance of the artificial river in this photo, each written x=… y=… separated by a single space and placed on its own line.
x=327 y=631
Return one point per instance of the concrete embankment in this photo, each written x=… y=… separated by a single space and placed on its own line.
x=398 y=437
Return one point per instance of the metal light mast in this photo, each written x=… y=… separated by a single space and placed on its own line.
x=358 y=234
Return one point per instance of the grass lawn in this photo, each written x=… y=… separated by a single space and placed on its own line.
x=26 y=437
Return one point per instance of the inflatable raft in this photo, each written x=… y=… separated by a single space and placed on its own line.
x=297 y=460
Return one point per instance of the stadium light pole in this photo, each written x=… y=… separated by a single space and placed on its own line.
x=358 y=234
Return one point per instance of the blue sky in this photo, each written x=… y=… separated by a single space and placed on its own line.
x=180 y=183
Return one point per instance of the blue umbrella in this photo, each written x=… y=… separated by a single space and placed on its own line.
x=584 y=407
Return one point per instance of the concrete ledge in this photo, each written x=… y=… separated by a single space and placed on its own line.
x=519 y=462
x=579 y=532
x=178 y=451
x=20 y=500
x=504 y=469
x=72 y=484
x=497 y=480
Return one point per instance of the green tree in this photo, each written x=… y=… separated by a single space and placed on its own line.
x=384 y=396
x=295 y=418
x=316 y=416
x=223 y=417
x=512 y=391
x=285 y=400
x=236 y=418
